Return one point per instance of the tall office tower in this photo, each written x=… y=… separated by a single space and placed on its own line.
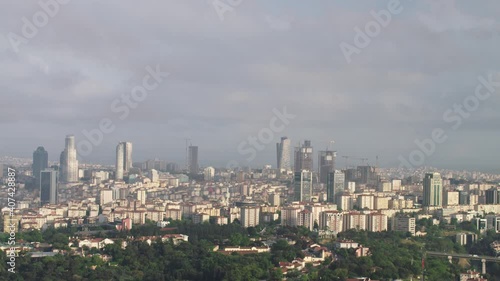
x=326 y=164
x=304 y=157
x=463 y=198
x=433 y=190
x=492 y=196
x=303 y=186
x=330 y=188
x=68 y=161
x=128 y=164
x=123 y=159
x=352 y=175
x=366 y=174
x=336 y=187
x=283 y=154
x=40 y=163
x=193 y=166
x=48 y=187
x=339 y=181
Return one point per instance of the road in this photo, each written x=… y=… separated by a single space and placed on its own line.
x=465 y=256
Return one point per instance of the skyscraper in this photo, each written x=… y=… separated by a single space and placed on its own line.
x=283 y=154
x=193 y=166
x=330 y=188
x=40 y=163
x=69 y=162
x=48 y=187
x=303 y=157
x=123 y=159
x=303 y=186
x=335 y=185
x=433 y=190
x=326 y=164
x=492 y=196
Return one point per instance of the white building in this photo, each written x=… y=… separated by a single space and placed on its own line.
x=209 y=173
x=250 y=216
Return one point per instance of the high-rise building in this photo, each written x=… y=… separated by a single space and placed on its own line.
x=338 y=181
x=492 y=196
x=303 y=186
x=463 y=198
x=250 y=216
x=283 y=154
x=367 y=175
x=209 y=173
x=433 y=190
x=105 y=196
x=306 y=219
x=290 y=216
x=335 y=185
x=326 y=164
x=451 y=198
x=330 y=188
x=69 y=162
x=193 y=166
x=40 y=163
x=154 y=175
x=377 y=222
x=304 y=157
x=123 y=159
x=403 y=224
x=355 y=220
x=48 y=187
x=332 y=220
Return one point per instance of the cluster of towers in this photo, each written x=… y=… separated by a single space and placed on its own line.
x=47 y=179
x=303 y=169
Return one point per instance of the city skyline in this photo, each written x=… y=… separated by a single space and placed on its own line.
x=250 y=140
x=70 y=140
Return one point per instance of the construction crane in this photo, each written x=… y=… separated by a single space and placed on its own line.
x=187 y=152
x=363 y=160
x=346 y=161
x=329 y=145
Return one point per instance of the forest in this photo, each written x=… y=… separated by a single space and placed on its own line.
x=394 y=256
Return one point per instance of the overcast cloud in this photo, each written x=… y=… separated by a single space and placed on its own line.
x=227 y=76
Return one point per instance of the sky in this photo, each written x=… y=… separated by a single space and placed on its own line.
x=232 y=64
